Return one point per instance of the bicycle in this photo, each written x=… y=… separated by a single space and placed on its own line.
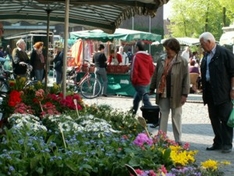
x=7 y=75
x=88 y=86
x=29 y=81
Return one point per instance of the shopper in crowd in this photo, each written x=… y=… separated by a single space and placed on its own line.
x=124 y=56
x=58 y=64
x=141 y=72
x=9 y=51
x=171 y=81
x=186 y=53
x=114 y=58
x=20 y=59
x=193 y=68
x=130 y=55
x=217 y=72
x=1 y=52
x=100 y=60
x=196 y=58
x=37 y=61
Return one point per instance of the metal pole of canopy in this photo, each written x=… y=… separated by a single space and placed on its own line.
x=133 y=26
x=48 y=11
x=65 y=47
x=150 y=24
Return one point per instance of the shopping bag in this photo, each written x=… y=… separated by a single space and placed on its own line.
x=230 y=121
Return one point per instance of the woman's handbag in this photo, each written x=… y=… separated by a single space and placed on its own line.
x=230 y=121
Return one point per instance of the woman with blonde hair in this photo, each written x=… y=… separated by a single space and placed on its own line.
x=37 y=60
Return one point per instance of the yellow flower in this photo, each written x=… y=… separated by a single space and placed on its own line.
x=210 y=165
x=182 y=157
x=23 y=79
x=225 y=162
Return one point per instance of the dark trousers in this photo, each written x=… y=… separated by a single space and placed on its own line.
x=219 y=115
x=140 y=95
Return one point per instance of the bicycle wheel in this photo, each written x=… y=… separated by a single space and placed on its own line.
x=90 y=88
x=4 y=88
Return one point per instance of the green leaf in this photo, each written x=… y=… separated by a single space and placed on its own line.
x=71 y=166
x=40 y=170
x=33 y=163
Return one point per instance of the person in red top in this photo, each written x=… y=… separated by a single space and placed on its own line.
x=114 y=58
x=141 y=73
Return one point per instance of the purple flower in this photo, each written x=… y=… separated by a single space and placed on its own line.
x=141 y=139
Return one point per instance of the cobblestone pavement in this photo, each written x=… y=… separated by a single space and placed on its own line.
x=196 y=127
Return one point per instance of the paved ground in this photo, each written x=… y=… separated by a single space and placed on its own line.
x=196 y=127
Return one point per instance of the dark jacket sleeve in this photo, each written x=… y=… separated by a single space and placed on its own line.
x=33 y=57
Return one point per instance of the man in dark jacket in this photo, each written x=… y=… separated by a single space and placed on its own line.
x=217 y=72
x=20 y=58
x=58 y=65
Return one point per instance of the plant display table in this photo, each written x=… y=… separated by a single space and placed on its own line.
x=118 y=84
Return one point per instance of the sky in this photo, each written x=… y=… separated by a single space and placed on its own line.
x=166 y=9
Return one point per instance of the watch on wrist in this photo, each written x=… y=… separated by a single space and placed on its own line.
x=232 y=88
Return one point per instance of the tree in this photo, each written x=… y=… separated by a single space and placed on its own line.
x=192 y=17
x=229 y=9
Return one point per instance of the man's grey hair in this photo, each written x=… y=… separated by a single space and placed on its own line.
x=207 y=36
x=19 y=42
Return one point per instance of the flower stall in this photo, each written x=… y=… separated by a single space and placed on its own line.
x=46 y=134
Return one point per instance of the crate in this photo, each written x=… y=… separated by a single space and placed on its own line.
x=111 y=69
x=151 y=114
x=117 y=68
x=84 y=68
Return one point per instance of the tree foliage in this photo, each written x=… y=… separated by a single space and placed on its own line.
x=190 y=18
x=229 y=6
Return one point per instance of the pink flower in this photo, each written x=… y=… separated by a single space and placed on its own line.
x=138 y=171
x=141 y=139
x=40 y=94
x=163 y=169
x=23 y=109
x=186 y=146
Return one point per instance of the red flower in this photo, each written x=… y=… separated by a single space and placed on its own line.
x=11 y=83
x=14 y=98
x=35 y=100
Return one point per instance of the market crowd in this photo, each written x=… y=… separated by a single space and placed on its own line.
x=169 y=79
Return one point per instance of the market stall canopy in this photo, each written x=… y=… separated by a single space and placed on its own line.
x=186 y=41
x=227 y=38
x=103 y=14
x=95 y=34
x=131 y=35
x=119 y=34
